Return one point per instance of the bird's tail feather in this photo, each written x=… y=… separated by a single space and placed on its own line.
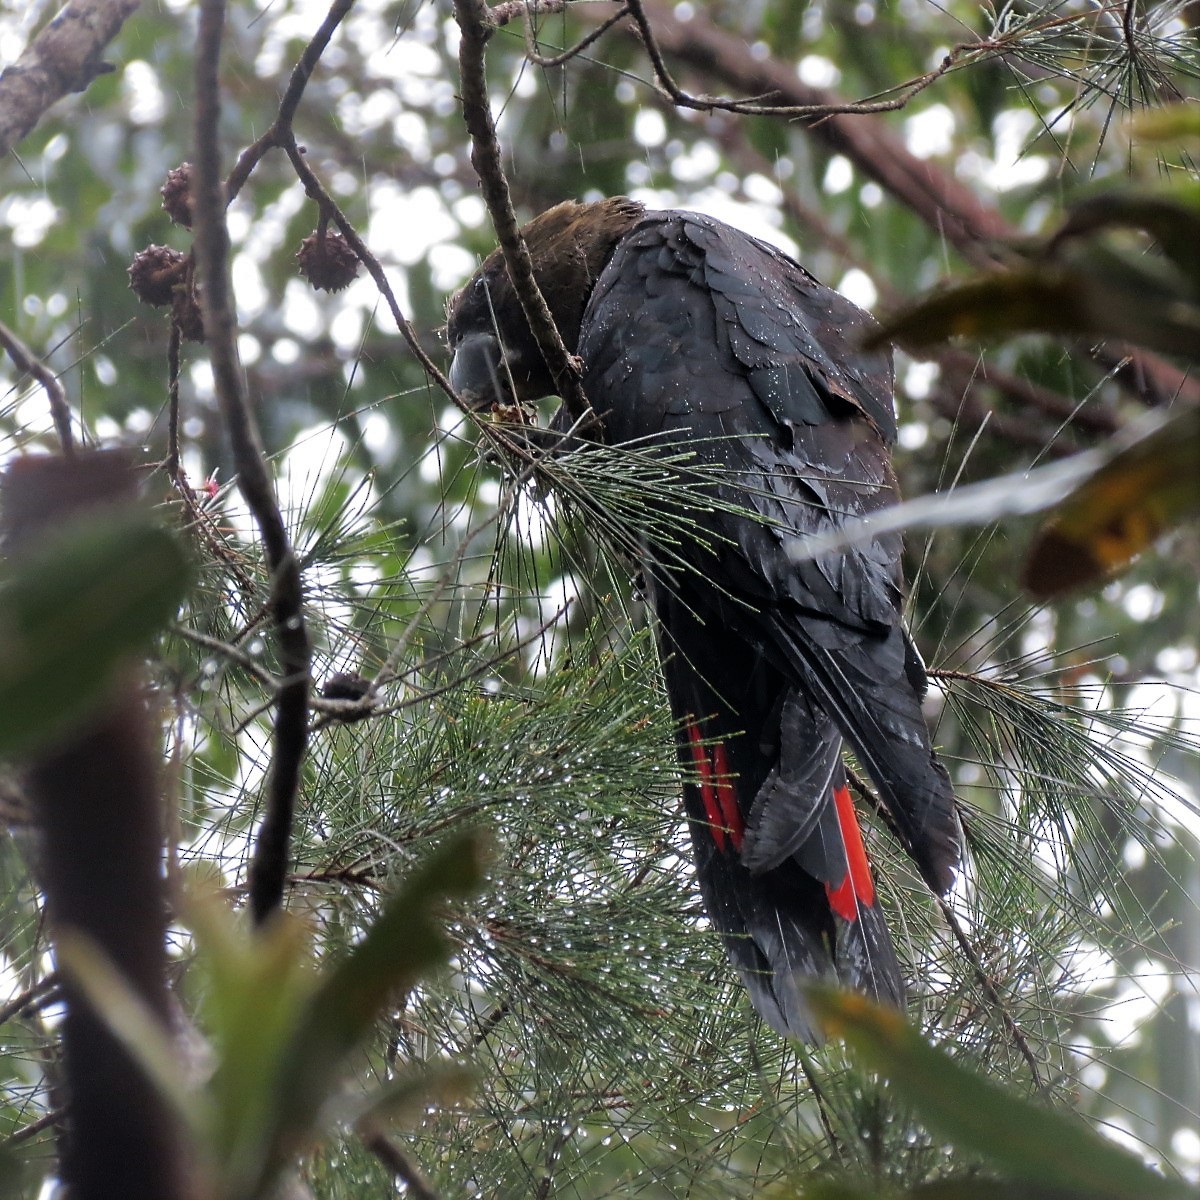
x=779 y=854
x=878 y=710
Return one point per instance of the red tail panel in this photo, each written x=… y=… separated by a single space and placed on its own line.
x=858 y=887
x=727 y=797
x=717 y=792
x=712 y=809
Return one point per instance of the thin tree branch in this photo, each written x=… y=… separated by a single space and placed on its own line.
x=974 y=228
x=316 y=191
x=1010 y=1025
x=45 y=1121
x=400 y=1165
x=967 y=222
x=964 y=943
x=557 y=60
x=37 y=992
x=268 y=867
x=756 y=106
x=477 y=26
x=63 y=58
x=281 y=128
x=510 y=10
x=25 y=360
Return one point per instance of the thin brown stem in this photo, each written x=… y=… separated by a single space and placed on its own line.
x=557 y=60
x=400 y=1165
x=28 y=997
x=998 y=1006
x=281 y=127
x=317 y=191
x=477 y=26
x=25 y=360
x=268 y=867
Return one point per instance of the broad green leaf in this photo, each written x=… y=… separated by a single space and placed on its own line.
x=71 y=610
x=1030 y=1144
x=1120 y=510
x=1172 y=220
x=282 y=1032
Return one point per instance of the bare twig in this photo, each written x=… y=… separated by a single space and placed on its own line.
x=556 y=60
x=25 y=360
x=510 y=10
x=268 y=866
x=400 y=1165
x=247 y=662
x=477 y=26
x=28 y=997
x=63 y=58
x=45 y=1121
x=996 y=1000
x=317 y=191
x=756 y=106
x=1011 y=1027
x=943 y=202
x=281 y=128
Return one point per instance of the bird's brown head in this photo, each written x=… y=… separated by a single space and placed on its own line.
x=495 y=354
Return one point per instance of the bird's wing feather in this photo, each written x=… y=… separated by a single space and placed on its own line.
x=707 y=339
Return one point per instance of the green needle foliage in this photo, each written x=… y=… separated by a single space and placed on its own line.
x=580 y=1033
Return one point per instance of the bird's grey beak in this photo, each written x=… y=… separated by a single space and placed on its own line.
x=477 y=373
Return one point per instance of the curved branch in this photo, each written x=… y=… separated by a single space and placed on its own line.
x=25 y=360
x=281 y=128
x=64 y=57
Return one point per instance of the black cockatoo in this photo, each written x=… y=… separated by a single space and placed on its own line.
x=697 y=336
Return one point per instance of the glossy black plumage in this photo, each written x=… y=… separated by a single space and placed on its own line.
x=695 y=335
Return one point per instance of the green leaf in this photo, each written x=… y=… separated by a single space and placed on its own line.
x=1172 y=220
x=71 y=610
x=1084 y=281
x=258 y=983
x=1030 y=1144
x=1169 y=123
x=283 y=1032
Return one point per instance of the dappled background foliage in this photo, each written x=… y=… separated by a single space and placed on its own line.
x=613 y=1052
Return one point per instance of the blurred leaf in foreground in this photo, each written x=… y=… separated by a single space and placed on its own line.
x=71 y=609
x=1142 y=491
x=1040 y=1151
x=281 y=1032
